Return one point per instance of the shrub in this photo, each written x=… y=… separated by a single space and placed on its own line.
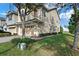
x=46 y=34
x=61 y=30
x=5 y=34
x=1 y=31
x=15 y=34
x=22 y=40
x=15 y=40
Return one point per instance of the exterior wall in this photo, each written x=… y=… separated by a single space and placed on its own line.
x=12 y=29
x=54 y=20
x=46 y=20
x=40 y=14
x=13 y=20
x=19 y=32
x=2 y=22
x=50 y=19
x=19 y=20
x=32 y=31
x=29 y=31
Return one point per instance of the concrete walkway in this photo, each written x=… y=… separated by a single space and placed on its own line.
x=9 y=38
x=6 y=39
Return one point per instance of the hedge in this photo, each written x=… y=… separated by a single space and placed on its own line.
x=5 y=34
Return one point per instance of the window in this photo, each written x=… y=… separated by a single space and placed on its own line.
x=44 y=14
x=5 y=29
x=23 y=12
x=10 y=17
x=52 y=20
x=54 y=28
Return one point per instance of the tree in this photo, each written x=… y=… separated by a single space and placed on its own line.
x=76 y=16
x=75 y=23
x=29 y=7
x=72 y=24
x=61 y=30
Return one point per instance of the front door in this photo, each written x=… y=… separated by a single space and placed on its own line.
x=31 y=32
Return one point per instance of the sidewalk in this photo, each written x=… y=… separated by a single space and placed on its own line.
x=6 y=39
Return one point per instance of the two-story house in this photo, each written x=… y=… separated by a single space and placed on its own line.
x=2 y=22
x=37 y=22
x=11 y=20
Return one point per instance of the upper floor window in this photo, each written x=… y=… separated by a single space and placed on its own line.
x=52 y=21
x=44 y=13
x=10 y=17
x=54 y=28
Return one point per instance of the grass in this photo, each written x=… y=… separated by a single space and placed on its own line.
x=57 y=45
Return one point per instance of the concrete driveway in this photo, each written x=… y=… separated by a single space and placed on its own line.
x=8 y=38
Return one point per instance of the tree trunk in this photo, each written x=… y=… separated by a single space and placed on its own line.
x=75 y=43
x=75 y=40
x=76 y=37
x=23 y=26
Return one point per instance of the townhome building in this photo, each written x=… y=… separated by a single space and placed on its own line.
x=38 y=22
x=2 y=23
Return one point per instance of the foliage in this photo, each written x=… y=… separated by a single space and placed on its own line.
x=61 y=29
x=46 y=34
x=72 y=23
x=54 y=45
x=2 y=34
x=15 y=40
x=1 y=31
x=22 y=40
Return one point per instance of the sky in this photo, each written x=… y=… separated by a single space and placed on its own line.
x=64 y=13
x=4 y=8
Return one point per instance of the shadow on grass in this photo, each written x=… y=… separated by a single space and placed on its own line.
x=60 y=43
x=8 y=49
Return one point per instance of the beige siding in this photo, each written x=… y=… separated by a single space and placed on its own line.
x=51 y=23
x=19 y=32
x=19 y=20
x=2 y=23
x=15 y=17
x=12 y=29
x=53 y=16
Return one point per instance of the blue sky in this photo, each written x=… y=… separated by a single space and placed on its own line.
x=4 y=8
x=64 y=13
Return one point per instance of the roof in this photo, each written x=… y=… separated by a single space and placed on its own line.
x=2 y=19
x=11 y=12
x=49 y=9
x=29 y=22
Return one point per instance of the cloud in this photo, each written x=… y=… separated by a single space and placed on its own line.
x=50 y=5
x=66 y=15
x=64 y=18
x=65 y=29
x=3 y=14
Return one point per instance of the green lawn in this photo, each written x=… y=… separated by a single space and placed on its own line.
x=59 y=44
